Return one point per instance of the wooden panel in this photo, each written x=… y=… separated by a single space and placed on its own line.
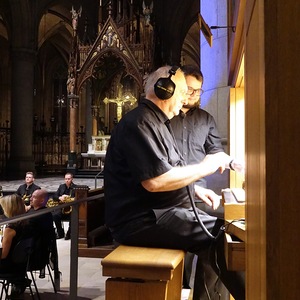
x=237 y=229
x=117 y=289
x=96 y=252
x=91 y=217
x=255 y=150
x=282 y=123
x=234 y=211
x=234 y=253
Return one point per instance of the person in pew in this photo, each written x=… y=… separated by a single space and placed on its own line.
x=149 y=189
x=197 y=135
x=13 y=206
x=25 y=190
x=42 y=228
x=42 y=223
x=64 y=193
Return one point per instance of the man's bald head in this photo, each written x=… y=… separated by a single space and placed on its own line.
x=38 y=198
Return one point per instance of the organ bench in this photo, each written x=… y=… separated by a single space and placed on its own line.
x=143 y=273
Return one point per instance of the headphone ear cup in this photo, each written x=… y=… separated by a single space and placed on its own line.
x=164 y=88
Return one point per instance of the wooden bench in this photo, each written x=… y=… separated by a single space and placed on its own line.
x=143 y=273
x=94 y=239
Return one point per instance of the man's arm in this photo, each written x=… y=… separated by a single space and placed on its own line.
x=57 y=194
x=179 y=177
x=19 y=190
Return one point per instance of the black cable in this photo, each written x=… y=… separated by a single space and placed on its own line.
x=211 y=236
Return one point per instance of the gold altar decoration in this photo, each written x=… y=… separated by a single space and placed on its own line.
x=120 y=100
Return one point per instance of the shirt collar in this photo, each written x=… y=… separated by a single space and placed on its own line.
x=189 y=112
x=158 y=112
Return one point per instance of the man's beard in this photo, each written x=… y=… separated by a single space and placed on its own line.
x=189 y=106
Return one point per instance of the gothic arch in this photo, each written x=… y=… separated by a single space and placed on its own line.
x=130 y=69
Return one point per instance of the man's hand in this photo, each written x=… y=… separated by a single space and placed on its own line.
x=207 y=196
x=63 y=197
x=238 y=166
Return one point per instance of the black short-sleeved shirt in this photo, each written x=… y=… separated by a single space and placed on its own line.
x=63 y=189
x=23 y=189
x=42 y=224
x=141 y=147
x=196 y=135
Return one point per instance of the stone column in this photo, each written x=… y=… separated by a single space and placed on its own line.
x=95 y=112
x=21 y=152
x=73 y=101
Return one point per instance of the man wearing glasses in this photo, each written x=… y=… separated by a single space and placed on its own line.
x=195 y=129
x=197 y=135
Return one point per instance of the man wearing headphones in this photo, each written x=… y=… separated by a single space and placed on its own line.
x=148 y=186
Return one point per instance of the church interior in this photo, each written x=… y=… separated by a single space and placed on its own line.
x=69 y=70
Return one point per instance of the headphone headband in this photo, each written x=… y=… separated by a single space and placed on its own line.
x=164 y=87
x=173 y=71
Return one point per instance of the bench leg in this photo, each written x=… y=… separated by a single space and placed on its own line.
x=175 y=284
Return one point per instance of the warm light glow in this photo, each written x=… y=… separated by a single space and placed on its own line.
x=237 y=126
x=120 y=100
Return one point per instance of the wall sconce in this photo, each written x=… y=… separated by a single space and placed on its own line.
x=233 y=28
x=61 y=101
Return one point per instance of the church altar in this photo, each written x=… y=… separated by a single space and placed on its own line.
x=95 y=156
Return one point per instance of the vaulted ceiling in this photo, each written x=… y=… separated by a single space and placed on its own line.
x=175 y=23
x=43 y=28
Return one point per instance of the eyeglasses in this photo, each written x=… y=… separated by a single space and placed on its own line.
x=192 y=92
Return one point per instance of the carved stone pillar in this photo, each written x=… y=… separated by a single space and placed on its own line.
x=95 y=113
x=21 y=153
x=73 y=101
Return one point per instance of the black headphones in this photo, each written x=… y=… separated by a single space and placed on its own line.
x=164 y=87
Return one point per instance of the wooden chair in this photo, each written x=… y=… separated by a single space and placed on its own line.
x=44 y=255
x=20 y=256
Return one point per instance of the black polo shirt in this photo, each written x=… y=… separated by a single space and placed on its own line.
x=23 y=189
x=196 y=135
x=63 y=189
x=141 y=147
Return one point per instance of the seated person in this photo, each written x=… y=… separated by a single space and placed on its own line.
x=25 y=190
x=65 y=190
x=42 y=227
x=43 y=223
x=149 y=188
x=12 y=206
